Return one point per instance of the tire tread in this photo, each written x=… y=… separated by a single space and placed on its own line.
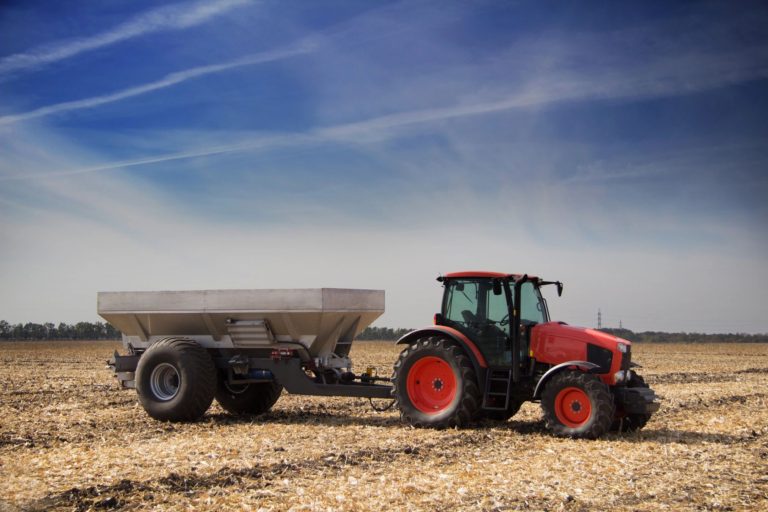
x=193 y=360
x=601 y=402
x=469 y=403
x=257 y=399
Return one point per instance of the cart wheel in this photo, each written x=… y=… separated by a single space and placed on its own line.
x=435 y=384
x=176 y=380
x=246 y=399
x=577 y=405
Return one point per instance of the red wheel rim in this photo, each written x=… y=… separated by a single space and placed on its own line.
x=431 y=384
x=573 y=407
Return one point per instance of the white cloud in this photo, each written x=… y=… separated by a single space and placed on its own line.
x=665 y=76
x=53 y=263
x=537 y=74
x=172 y=17
x=167 y=81
x=68 y=237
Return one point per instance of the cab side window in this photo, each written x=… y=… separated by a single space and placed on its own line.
x=462 y=302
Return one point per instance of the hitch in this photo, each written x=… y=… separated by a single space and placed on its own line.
x=124 y=368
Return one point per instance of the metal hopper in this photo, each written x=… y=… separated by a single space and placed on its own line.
x=323 y=320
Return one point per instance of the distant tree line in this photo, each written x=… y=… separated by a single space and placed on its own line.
x=685 y=337
x=382 y=333
x=104 y=331
x=50 y=331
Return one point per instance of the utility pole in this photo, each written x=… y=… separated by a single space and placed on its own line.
x=599 y=319
x=620 y=326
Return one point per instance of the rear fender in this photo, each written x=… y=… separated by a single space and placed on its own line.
x=478 y=361
x=582 y=365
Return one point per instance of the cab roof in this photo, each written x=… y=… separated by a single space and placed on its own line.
x=483 y=273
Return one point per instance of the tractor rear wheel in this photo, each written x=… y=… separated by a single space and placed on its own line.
x=247 y=399
x=176 y=380
x=435 y=384
x=577 y=405
x=630 y=422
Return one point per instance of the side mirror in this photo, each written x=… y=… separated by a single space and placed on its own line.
x=496 y=287
x=559 y=289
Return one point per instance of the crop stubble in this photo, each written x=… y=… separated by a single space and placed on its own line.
x=71 y=439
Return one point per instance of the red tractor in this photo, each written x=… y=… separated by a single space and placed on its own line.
x=493 y=347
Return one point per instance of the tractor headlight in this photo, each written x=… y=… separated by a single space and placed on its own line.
x=619 y=377
x=622 y=347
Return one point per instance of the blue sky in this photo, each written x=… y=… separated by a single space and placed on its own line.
x=619 y=147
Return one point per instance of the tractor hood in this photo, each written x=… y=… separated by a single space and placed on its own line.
x=558 y=342
x=580 y=334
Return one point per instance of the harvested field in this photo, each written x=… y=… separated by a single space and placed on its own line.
x=70 y=439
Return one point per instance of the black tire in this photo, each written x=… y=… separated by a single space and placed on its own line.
x=631 y=422
x=176 y=380
x=514 y=407
x=577 y=405
x=247 y=399
x=452 y=369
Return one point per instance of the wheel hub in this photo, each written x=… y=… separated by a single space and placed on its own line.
x=164 y=381
x=573 y=407
x=431 y=384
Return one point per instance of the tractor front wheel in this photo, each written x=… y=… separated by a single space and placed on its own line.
x=435 y=384
x=577 y=405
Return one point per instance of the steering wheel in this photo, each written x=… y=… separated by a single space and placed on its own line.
x=505 y=320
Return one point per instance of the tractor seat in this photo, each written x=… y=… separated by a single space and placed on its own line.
x=469 y=317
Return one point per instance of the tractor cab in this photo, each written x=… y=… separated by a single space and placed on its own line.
x=481 y=305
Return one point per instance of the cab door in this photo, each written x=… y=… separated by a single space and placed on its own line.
x=472 y=307
x=495 y=332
